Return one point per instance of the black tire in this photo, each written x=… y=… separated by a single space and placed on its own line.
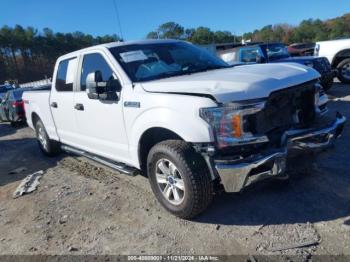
x=327 y=85
x=193 y=171
x=47 y=146
x=341 y=67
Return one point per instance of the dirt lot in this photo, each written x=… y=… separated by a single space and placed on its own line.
x=83 y=208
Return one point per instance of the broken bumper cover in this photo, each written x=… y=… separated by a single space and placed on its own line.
x=237 y=174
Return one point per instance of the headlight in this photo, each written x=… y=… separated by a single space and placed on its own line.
x=309 y=64
x=227 y=121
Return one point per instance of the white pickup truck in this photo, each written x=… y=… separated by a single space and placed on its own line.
x=184 y=118
x=338 y=54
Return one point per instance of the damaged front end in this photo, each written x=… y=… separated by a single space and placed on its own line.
x=254 y=138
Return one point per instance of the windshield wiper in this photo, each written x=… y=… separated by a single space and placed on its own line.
x=183 y=72
x=163 y=75
x=207 y=68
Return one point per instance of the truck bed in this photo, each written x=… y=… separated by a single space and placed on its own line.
x=39 y=102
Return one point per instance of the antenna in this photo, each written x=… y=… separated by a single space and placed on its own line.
x=117 y=15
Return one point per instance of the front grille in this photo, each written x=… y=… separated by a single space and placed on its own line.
x=284 y=109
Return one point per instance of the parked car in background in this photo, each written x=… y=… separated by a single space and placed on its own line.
x=278 y=53
x=338 y=54
x=301 y=49
x=12 y=105
x=4 y=89
x=181 y=116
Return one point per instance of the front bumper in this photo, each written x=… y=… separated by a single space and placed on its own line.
x=238 y=174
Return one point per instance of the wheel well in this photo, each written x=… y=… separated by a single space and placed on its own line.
x=35 y=118
x=150 y=138
x=340 y=56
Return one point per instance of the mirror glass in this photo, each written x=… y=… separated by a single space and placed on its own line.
x=96 y=88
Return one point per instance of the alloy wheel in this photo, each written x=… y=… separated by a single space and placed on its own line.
x=345 y=70
x=170 y=181
x=42 y=137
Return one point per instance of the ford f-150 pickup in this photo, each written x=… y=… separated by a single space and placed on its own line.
x=181 y=116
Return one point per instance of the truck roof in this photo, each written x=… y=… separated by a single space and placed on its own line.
x=333 y=40
x=114 y=44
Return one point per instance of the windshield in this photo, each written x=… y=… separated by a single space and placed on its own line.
x=275 y=51
x=143 y=62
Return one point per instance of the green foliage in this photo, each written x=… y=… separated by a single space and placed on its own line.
x=169 y=30
x=200 y=35
x=27 y=54
x=310 y=30
x=307 y=31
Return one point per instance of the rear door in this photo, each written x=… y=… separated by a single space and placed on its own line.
x=100 y=122
x=62 y=101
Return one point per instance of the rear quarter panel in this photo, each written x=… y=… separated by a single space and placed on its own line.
x=38 y=102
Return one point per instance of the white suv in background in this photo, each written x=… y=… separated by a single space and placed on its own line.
x=338 y=54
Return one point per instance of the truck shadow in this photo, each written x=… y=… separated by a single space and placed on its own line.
x=339 y=90
x=7 y=129
x=320 y=195
x=22 y=153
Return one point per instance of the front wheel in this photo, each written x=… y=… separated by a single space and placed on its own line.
x=179 y=178
x=48 y=147
x=344 y=71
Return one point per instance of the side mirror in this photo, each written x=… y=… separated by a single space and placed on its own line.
x=92 y=81
x=96 y=88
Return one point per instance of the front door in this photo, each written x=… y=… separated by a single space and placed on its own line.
x=100 y=122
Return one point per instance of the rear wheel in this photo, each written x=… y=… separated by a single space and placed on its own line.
x=344 y=71
x=48 y=147
x=179 y=178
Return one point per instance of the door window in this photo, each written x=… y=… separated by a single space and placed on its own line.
x=65 y=75
x=92 y=63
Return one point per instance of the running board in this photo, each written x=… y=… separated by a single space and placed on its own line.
x=120 y=167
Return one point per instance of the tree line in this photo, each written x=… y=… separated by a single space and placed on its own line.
x=28 y=55
x=310 y=30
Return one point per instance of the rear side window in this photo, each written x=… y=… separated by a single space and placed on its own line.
x=92 y=63
x=65 y=75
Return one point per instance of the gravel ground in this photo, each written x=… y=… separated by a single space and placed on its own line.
x=81 y=207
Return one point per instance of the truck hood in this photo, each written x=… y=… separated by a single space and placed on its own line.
x=297 y=59
x=237 y=83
